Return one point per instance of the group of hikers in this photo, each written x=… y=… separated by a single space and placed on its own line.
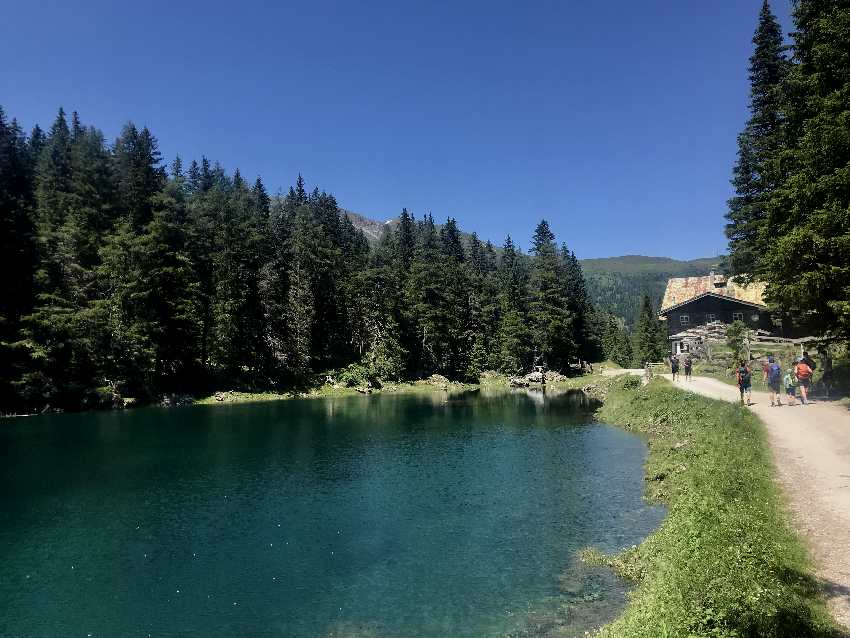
x=800 y=375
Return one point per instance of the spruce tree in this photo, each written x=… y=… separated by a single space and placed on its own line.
x=650 y=336
x=514 y=336
x=549 y=318
x=138 y=174
x=16 y=252
x=405 y=236
x=151 y=303
x=237 y=346
x=580 y=307
x=756 y=171
x=808 y=264
x=425 y=302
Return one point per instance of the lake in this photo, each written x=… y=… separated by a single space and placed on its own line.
x=390 y=515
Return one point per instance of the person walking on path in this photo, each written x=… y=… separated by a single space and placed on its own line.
x=790 y=390
x=814 y=366
x=745 y=381
x=674 y=367
x=803 y=373
x=689 y=366
x=774 y=379
x=809 y=361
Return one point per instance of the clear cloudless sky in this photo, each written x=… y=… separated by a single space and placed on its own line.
x=616 y=120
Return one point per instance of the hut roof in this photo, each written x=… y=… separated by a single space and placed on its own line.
x=683 y=289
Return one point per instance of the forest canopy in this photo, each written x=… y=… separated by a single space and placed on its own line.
x=129 y=278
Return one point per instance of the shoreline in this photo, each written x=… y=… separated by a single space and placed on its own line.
x=726 y=560
x=420 y=386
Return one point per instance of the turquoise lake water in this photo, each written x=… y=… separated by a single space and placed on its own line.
x=383 y=516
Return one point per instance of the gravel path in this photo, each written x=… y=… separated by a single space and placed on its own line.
x=811 y=449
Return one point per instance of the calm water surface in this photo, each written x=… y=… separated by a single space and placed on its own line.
x=379 y=516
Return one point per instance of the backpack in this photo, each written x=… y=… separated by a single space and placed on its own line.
x=773 y=373
x=744 y=372
x=803 y=370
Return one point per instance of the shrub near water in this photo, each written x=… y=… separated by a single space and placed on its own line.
x=725 y=562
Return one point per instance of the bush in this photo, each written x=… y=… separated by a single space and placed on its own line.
x=736 y=337
x=354 y=375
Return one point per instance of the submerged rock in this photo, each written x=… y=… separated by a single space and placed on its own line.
x=175 y=400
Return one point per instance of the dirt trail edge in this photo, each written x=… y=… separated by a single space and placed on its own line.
x=811 y=448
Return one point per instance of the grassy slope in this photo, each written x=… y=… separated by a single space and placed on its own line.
x=725 y=562
x=632 y=264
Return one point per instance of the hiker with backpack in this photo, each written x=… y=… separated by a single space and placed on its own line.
x=774 y=378
x=674 y=367
x=689 y=366
x=814 y=366
x=745 y=380
x=803 y=372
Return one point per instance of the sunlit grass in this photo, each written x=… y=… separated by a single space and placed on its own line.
x=725 y=562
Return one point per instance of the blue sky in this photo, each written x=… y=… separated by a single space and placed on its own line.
x=616 y=121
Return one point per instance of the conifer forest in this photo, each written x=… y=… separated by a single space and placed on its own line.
x=124 y=277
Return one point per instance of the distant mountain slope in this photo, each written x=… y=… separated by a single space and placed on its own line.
x=619 y=283
x=371 y=228
x=633 y=264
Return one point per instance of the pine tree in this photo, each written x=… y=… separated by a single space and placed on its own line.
x=138 y=175
x=16 y=251
x=514 y=337
x=193 y=178
x=807 y=267
x=580 y=307
x=150 y=303
x=237 y=346
x=756 y=171
x=261 y=200
x=425 y=302
x=405 y=240
x=274 y=287
x=549 y=317
x=650 y=336
x=614 y=339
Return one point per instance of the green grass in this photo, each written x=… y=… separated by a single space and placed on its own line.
x=241 y=397
x=725 y=562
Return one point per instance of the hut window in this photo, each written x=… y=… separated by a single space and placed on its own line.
x=709 y=318
x=737 y=316
x=684 y=319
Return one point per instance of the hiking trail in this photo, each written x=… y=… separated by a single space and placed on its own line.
x=811 y=450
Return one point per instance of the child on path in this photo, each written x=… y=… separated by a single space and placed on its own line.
x=744 y=376
x=773 y=378
x=804 y=379
x=689 y=364
x=790 y=390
